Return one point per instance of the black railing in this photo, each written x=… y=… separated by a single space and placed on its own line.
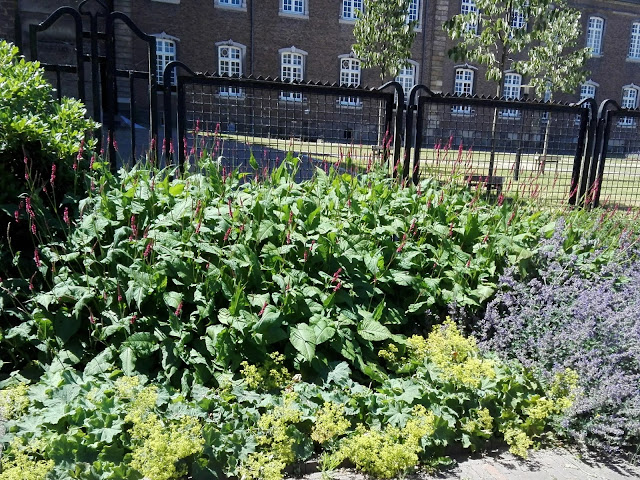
x=557 y=153
x=234 y=118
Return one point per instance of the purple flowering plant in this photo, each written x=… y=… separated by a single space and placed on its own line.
x=580 y=311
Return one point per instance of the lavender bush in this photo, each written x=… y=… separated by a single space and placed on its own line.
x=571 y=316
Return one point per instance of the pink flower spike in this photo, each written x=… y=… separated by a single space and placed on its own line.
x=36 y=257
x=53 y=174
x=179 y=309
x=263 y=309
x=337 y=287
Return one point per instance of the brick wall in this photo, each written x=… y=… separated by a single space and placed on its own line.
x=8 y=9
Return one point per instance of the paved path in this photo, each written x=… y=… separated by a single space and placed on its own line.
x=550 y=464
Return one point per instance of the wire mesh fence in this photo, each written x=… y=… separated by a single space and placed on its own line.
x=617 y=183
x=236 y=118
x=524 y=149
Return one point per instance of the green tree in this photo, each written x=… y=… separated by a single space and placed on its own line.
x=384 y=35
x=536 y=38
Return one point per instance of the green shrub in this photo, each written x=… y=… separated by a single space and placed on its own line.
x=41 y=144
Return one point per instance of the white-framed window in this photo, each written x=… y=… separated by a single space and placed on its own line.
x=414 y=12
x=469 y=7
x=463 y=85
x=350 y=9
x=292 y=70
x=297 y=8
x=588 y=90
x=634 y=42
x=518 y=19
x=350 y=77
x=629 y=101
x=165 y=54
x=231 y=4
x=407 y=78
x=230 y=62
x=511 y=90
x=595 y=30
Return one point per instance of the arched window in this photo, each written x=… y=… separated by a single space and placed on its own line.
x=595 y=30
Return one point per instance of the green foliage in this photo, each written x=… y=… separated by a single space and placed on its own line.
x=384 y=35
x=490 y=37
x=41 y=148
x=107 y=425
x=205 y=272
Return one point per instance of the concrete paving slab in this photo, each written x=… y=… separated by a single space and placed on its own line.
x=548 y=464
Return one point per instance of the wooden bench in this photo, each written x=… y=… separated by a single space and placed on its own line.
x=491 y=182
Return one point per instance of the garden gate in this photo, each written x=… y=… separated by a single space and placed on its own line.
x=95 y=22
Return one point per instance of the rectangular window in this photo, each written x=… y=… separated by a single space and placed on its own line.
x=634 y=44
x=463 y=85
x=587 y=90
x=230 y=63
x=512 y=87
x=350 y=77
x=517 y=19
x=292 y=70
x=165 y=53
x=414 y=11
x=629 y=101
x=595 y=28
x=469 y=7
x=296 y=7
x=230 y=3
x=407 y=78
x=350 y=9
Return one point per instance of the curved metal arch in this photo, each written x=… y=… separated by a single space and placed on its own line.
x=168 y=115
x=111 y=70
x=399 y=106
x=603 y=130
x=46 y=24
x=412 y=107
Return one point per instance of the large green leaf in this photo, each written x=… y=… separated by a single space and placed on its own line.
x=303 y=339
x=370 y=329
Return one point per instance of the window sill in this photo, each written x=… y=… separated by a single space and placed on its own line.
x=596 y=55
x=231 y=96
x=231 y=8
x=175 y=2
x=298 y=16
x=347 y=21
x=290 y=99
x=633 y=59
x=462 y=113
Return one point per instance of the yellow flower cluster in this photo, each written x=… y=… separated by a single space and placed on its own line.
x=276 y=443
x=518 y=441
x=158 y=446
x=18 y=463
x=390 y=452
x=13 y=401
x=330 y=423
x=455 y=355
x=480 y=423
x=271 y=375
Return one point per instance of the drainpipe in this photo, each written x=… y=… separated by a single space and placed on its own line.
x=251 y=34
x=424 y=43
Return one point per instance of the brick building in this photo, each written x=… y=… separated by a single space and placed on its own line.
x=311 y=40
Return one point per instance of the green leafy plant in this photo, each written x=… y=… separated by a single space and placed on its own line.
x=207 y=271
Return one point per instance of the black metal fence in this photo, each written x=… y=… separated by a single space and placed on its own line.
x=524 y=148
x=234 y=118
x=555 y=153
